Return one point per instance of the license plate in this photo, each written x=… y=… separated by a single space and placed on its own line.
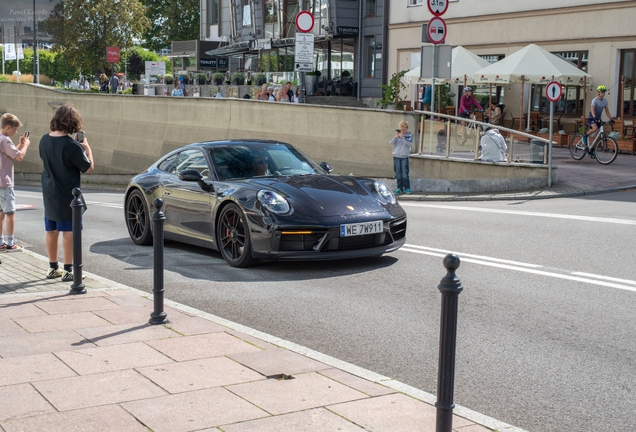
x=357 y=229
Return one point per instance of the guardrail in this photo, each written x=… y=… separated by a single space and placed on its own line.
x=523 y=147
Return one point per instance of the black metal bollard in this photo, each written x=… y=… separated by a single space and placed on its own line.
x=77 y=205
x=450 y=287
x=158 y=316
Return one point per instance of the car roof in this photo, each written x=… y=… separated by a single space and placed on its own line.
x=242 y=142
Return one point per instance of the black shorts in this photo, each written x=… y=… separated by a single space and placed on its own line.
x=464 y=115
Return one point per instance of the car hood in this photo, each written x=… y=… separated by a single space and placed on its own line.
x=328 y=195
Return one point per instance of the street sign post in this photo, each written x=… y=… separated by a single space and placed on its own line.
x=304 y=54
x=553 y=92
x=304 y=21
x=436 y=30
x=437 y=7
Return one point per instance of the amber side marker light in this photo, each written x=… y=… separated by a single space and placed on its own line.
x=297 y=232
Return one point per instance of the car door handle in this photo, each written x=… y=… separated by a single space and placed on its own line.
x=167 y=192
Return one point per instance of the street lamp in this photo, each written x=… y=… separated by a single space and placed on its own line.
x=36 y=76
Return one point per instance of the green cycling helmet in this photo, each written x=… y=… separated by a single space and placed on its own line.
x=601 y=88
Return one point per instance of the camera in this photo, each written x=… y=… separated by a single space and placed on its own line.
x=27 y=134
x=80 y=136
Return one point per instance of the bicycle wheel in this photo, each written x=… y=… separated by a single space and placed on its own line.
x=606 y=151
x=578 y=149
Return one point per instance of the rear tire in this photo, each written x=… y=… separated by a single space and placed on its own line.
x=578 y=149
x=606 y=151
x=233 y=237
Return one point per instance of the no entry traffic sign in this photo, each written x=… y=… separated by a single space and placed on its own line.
x=553 y=91
x=436 y=30
x=437 y=7
x=304 y=21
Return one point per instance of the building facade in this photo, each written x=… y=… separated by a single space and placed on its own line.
x=259 y=36
x=599 y=38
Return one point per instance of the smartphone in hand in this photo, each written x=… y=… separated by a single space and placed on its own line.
x=80 y=136
x=27 y=134
x=398 y=131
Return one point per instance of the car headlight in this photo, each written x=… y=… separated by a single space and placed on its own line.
x=273 y=202
x=385 y=192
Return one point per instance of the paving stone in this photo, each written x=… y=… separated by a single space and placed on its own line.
x=38 y=367
x=201 y=346
x=112 y=358
x=278 y=361
x=8 y=327
x=97 y=389
x=75 y=304
x=305 y=391
x=126 y=315
x=199 y=374
x=126 y=333
x=61 y=322
x=110 y=418
x=193 y=410
x=314 y=420
x=21 y=400
x=360 y=384
x=16 y=310
x=193 y=325
x=38 y=343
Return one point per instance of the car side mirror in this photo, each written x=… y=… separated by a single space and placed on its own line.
x=195 y=176
x=326 y=167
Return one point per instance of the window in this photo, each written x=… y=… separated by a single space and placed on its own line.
x=270 y=17
x=370 y=8
x=192 y=159
x=370 y=50
x=414 y=3
x=494 y=58
x=213 y=12
x=628 y=70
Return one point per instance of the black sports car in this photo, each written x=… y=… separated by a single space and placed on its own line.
x=263 y=200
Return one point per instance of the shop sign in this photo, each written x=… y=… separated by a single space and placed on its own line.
x=207 y=62
x=348 y=31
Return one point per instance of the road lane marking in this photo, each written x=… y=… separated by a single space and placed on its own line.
x=609 y=278
x=604 y=280
x=445 y=252
x=524 y=213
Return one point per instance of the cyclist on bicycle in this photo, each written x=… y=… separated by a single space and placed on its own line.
x=599 y=104
x=467 y=102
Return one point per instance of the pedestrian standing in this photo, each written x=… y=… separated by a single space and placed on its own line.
x=63 y=159
x=9 y=125
x=401 y=143
x=114 y=84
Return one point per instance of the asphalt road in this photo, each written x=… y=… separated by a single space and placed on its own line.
x=546 y=329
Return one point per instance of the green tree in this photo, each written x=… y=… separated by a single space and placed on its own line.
x=170 y=21
x=84 y=29
x=137 y=58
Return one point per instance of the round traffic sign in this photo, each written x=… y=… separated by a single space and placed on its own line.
x=304 y=21
x=436 y=30
x=553 y=91
x=438 y=7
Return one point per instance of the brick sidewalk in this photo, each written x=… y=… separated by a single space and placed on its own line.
x=91 y=362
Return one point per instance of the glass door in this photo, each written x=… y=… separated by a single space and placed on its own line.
x=628 y=69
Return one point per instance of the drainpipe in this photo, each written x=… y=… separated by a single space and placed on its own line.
x=359 y=68
x=385 y=43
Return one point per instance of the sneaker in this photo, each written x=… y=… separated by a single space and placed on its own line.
x=68 y=276
x=54 y=273
x=592 y=155
x=397 y=191
x=408 y=191
x=13 y=248
x=3 y=247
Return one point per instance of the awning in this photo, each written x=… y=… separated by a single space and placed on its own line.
x=253 y=45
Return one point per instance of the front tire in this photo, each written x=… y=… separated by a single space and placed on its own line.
x=233 y=237
x=137 y=218
x=606 y=151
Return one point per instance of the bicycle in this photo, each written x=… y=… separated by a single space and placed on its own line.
x=470 y=131
x=604 y=149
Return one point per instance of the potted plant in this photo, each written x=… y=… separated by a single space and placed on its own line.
x=391 y=92
x=260 y=79
x=238 y=78
x=626 y=143
x=200 y=78
x=217 y=78
x=168 y=79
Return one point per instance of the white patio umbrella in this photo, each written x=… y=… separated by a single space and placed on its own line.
x=464 y=64
x=531 y=65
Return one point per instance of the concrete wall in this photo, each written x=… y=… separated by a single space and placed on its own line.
x=128 y=133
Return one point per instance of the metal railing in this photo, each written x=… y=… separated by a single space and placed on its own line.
x=520 y=149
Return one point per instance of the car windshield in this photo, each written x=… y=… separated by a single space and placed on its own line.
x=261 y=160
